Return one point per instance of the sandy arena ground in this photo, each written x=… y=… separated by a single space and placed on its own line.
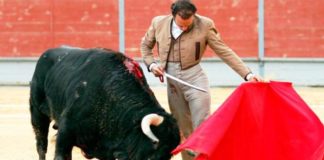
x=17 y=138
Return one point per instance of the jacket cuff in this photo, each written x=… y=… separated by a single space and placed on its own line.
x=248 y=76
x=149 y=67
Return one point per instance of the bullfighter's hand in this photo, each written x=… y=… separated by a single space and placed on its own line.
x=158 y=71
x=256 y=78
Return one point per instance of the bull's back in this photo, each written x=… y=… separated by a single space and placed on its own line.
x=52 y=67
x=37 y=89
x=65 y=73
x=45 y=62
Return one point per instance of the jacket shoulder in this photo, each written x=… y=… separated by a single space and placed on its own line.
x=205 y=20
x=161 y=19
x=158 y=18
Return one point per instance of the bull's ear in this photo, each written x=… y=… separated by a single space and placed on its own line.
x=151 y=119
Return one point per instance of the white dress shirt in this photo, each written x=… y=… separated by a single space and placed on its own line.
x=176 y=31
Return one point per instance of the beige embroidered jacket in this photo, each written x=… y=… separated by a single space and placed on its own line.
x=193 y=44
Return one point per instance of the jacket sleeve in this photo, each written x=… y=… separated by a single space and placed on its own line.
x=147 y=45
x=224 y=52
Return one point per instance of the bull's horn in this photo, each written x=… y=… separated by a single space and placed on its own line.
x=151 y=119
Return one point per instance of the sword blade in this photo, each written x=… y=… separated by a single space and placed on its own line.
x=184 y=82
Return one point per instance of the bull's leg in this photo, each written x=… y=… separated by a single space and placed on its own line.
x=64 y=142
x=40 y=123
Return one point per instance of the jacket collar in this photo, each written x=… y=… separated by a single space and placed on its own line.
x=171 y=19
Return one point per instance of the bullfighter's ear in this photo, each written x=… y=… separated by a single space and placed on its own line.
x=151 y=119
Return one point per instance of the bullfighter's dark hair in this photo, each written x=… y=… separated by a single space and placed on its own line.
x=184 y=8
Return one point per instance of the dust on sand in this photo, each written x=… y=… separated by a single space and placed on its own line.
x=17 y=137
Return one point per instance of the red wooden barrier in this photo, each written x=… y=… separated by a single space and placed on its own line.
x=27 y=28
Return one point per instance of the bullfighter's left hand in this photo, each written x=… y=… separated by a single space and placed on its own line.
x=255 y=78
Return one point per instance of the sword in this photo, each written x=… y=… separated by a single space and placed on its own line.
x=183 y=82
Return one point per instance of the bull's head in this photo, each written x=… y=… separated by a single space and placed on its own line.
x=154 y=139
x=161 y=136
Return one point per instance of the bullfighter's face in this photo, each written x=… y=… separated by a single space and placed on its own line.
x=184 y=24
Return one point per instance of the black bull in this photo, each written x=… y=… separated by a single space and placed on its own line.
x=100 y=102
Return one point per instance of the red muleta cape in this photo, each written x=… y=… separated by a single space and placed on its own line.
x=259 y=121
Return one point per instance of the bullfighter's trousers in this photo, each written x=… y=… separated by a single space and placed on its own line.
x=189 y=106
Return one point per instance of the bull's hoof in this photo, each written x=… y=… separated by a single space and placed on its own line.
x=53 y=138
x=55 y=126
x=86 y=155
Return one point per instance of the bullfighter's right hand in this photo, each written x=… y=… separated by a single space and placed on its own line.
x=157 y=70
